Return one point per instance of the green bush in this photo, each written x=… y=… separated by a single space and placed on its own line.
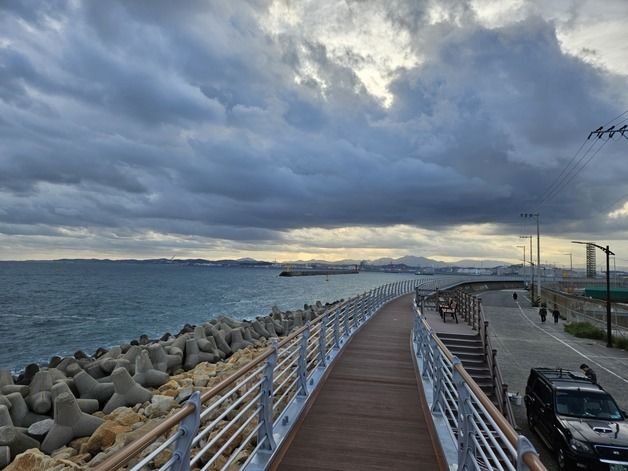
x=620 y=342
x=585 y=330
x=589 y=331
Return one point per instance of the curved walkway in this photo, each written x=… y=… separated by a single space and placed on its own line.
x=368 y=414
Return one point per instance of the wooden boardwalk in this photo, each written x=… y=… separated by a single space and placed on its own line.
x=369 y=413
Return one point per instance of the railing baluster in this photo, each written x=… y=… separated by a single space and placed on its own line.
x=265 y=417
x=336 y=329
x=322 y=347
x=466 y=452
x=302 y=362
x=346 y=321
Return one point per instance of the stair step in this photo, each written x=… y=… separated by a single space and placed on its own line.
x=463 y=344
x=470 y=357
x=448 y=335
x=465 y=349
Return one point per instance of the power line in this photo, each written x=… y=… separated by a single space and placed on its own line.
x=571 y=169
x=573 y=172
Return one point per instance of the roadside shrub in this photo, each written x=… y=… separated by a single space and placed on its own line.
x=620 y=342
x=585 y=330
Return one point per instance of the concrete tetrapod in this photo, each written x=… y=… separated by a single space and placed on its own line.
x=89 y=388
x=88 y=406
x=201 y=339
x=40 y=399
x=7 y=386
x=20 y=413
x=270 y=327
x=221 y=343
x=237 y=341
x=5 y=456
x=161 y=360
x=127 y=391
x=146 y=375
x=5 y=417
x=193 y=356
x=17 y=441
x=12 y=437
x=69 y=423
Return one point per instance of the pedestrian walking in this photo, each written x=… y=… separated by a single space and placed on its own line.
x=555 y=314
x=589 y=373
x=543 y=312
x=514 y=296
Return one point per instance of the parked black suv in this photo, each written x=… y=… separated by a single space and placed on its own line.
x=577 y=419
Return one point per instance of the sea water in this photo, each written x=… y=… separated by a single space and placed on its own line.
x=57 y=308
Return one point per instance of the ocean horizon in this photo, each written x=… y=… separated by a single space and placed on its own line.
x=52 y=308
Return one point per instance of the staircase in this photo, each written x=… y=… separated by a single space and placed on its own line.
x=468 y=348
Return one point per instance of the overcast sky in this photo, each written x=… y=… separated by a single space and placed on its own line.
x=311 y=129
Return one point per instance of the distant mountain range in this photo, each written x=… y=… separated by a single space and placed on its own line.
x=412 y=261
x=408 y=260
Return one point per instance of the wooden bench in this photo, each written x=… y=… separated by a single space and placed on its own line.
x=450 y=308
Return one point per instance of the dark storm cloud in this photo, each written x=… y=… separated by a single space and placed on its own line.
x=188 y=119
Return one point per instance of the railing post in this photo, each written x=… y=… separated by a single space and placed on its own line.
x=485 y=338
x=336 y=330
x=524 y=446
x=466 y=451
x=188 y=427
x=265 y=418
x=493 y=365
x=504 y=400
x=302 y=363
x=322 y=342
x=438 y=382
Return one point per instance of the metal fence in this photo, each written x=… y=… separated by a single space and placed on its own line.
x=473 y=433
x=241 y=422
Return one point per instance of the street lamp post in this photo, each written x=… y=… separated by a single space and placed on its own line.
x=531 y=264
x=538 y=252
x=607 y=251
x=524 y=257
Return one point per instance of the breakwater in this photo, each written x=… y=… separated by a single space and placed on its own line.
x=76 y=410
x=317 y=272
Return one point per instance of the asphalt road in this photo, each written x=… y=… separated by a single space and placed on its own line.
x=523 y=342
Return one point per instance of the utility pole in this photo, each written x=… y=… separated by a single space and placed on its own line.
x=570 y=263
x=538 y=253
x=531 y=264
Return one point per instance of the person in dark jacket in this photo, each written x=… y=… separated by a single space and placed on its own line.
x=589 y=373
x=543 y=312
x=555 y=314
x=514 y=296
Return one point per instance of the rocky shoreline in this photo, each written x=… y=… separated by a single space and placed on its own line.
x=76 y=411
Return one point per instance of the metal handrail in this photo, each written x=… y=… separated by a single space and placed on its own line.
x=318 y=343
x=463 y=414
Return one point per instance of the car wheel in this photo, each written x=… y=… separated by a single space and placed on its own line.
x=563 y=462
